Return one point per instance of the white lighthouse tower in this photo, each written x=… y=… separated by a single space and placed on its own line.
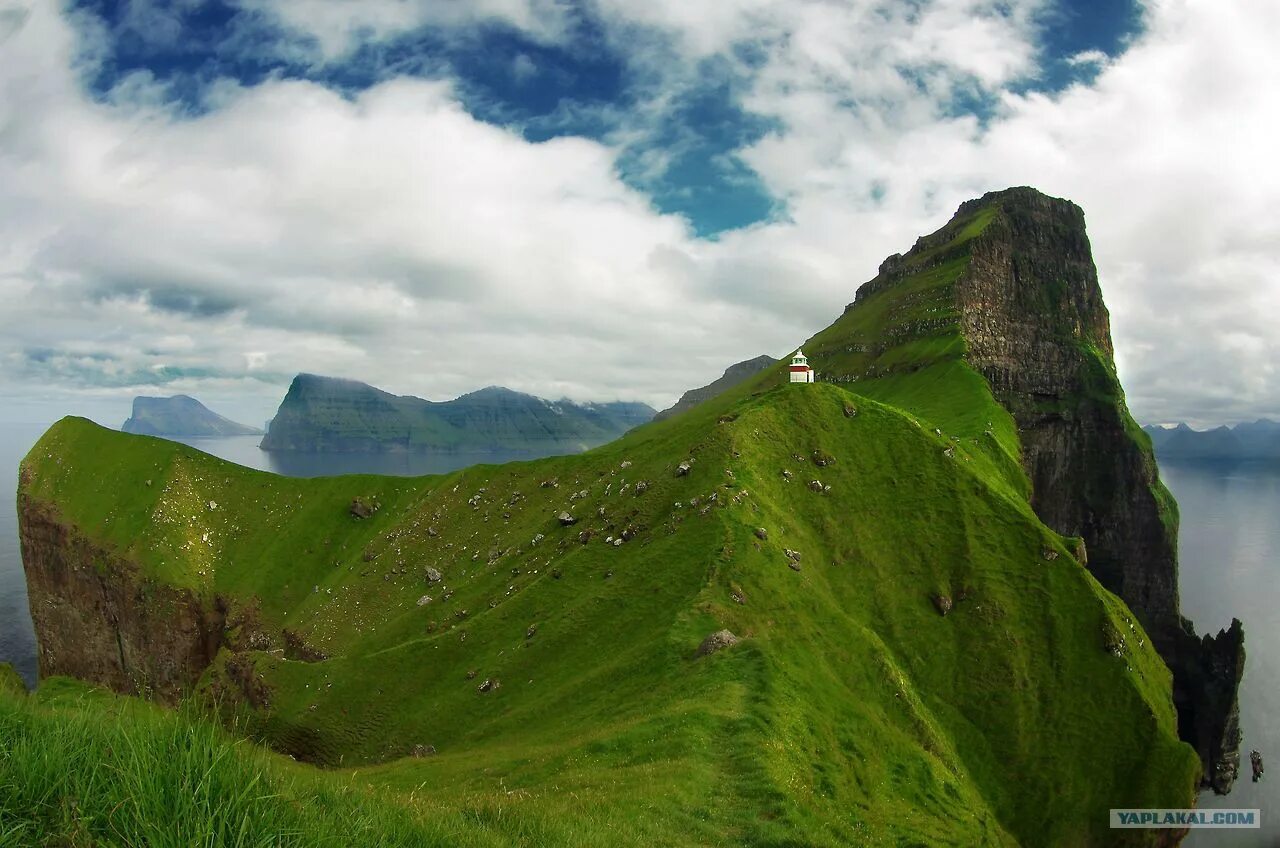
x=800 y=370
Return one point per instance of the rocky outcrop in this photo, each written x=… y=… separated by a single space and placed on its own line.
x=98 y=620
x=733 y=375
x=1034 y=324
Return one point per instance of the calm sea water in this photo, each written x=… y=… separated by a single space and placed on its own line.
x=1229 y=545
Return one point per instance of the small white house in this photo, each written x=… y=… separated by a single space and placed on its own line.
x=800 y=370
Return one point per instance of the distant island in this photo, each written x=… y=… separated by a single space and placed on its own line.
x=733 y=375
x=1251 y=440
x=181 y=416
x=347 y=416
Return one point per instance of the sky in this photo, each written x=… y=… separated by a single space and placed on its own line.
x=603 y=199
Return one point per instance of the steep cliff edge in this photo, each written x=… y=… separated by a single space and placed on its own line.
x=1009 y=288
x=99 y=619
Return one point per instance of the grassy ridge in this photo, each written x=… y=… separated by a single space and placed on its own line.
x=851 y=713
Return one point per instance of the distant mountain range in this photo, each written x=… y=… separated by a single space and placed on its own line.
x=1253 y=440
x=179 y=416
x=347 y=416
x=733 y=375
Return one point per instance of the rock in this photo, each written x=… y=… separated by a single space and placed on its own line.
x=949 y=452
x=213 y=505
x=794 y=556
x=422 y=751
x=626 y=463
x=553 y=483
x=584 y=536
x=1078 y=550
x=683 y=469
x=761 y=534
x=786 y=475
x=850 y=410
x=793 y=565
x=1049 y=554
x=942 y=603
x=537 y=538
x=424 y=600
x=433 y=576
x=822 y=459
x=815 y=486
x=431 y=531
x=617 y=543
x=490 y=684
x=717 y=641
x=737 y=597
x=471 y=674
x=1112 y=639
x=533 y=629
x=641 y=487
x=566 y=520
x=360 y=509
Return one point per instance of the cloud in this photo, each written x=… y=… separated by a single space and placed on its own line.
x=338 y=28
x=390 y=235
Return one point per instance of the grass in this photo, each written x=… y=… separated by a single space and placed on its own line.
x=852 y=712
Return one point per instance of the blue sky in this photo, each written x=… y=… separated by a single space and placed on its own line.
x=598 y=198
x=583 y=85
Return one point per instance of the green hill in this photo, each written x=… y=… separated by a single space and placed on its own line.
x=519 y=653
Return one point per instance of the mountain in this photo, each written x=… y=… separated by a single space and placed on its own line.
x=180 y=416
x=328 y=414
x=896 y=608
x=1247 y=441
x=1008 y=291
x=733 y=375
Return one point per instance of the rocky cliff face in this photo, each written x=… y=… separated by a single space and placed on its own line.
x=99 y=622
x=1030 y=312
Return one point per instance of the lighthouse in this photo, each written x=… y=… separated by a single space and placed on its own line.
x=800 y=370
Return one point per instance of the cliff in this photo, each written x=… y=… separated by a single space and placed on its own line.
x=180 y=416
x=733 y=375
x=1008 y=288
x=327 y=414
x=99 y=619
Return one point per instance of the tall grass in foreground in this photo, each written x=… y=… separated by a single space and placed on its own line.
x=87 y=776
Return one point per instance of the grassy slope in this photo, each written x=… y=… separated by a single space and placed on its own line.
x=852 y=712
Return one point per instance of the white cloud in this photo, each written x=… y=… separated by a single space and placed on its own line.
x=340 y=26
x=394 y=238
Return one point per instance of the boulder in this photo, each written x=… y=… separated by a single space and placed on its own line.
x=566 y=519
x=683 y=469
x=360 y=509
x=433 y=576
x=717 y=641
x=942 y=603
